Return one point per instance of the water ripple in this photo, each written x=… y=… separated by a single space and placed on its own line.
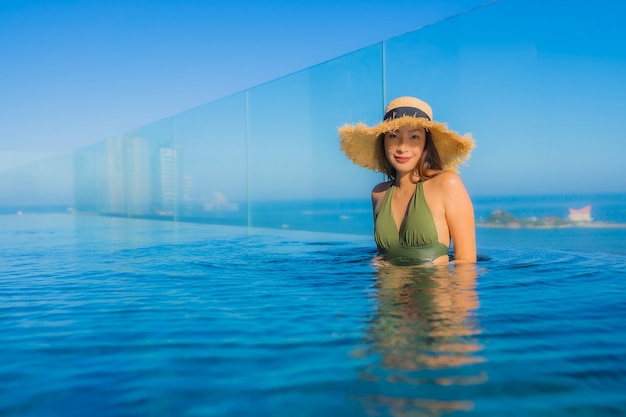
x=134 y=318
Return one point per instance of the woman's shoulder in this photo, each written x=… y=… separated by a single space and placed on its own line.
x=447 y=179
x=382 y=187
x=378 y=192
x=445 y=185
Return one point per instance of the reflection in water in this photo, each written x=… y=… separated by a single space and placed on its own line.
x=423 y=340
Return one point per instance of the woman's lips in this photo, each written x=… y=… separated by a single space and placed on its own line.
x=403 y=159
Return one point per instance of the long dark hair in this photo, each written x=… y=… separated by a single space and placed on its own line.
x=427 y=167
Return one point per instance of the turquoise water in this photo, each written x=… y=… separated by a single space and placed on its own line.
x=118 y=317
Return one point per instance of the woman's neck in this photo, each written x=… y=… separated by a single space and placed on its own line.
x=406 y=180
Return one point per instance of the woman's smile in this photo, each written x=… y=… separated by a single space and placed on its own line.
x=402 y=159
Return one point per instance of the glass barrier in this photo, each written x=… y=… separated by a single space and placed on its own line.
x=133 y=174
x=298 y=177
x=544 y=114
x=90 y=179
x=525 y=78
x=211 y=148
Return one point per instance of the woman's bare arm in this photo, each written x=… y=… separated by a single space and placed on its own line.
x=460 y=218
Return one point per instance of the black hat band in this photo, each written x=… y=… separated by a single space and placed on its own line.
x=405 y=111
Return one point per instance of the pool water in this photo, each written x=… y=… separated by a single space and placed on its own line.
x=118 y=317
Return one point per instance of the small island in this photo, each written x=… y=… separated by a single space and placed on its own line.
x=576 y=218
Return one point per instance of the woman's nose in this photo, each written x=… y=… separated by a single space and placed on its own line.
x=401 y=146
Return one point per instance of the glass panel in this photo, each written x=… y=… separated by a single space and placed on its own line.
x=526 y=78
x=211 y=140
x=298 y=176
x=152 y=172
x=140 y=172
x=89 y=179
x=544 y=105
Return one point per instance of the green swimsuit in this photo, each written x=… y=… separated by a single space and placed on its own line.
x=417 y=241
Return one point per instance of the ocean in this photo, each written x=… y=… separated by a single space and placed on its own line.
x=355 y=217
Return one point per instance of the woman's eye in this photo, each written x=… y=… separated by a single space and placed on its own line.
x=415 y=137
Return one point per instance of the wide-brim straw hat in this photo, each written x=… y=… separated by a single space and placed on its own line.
x=359 y=142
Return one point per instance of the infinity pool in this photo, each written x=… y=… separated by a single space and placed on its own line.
x=117 y=317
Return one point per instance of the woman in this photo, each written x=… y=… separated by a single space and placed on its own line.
x=424 y=207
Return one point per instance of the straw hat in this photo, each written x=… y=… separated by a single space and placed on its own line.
x=359 y=141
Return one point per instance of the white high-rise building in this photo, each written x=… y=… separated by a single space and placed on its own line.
x=168 y=158
x=128 y=173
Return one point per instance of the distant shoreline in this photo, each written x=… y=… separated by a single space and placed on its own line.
x=592 y=225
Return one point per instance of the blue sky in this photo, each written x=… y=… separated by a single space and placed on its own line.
x=77 y=72
x=542 y=90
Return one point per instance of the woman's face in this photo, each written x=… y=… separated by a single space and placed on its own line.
x=403 y=147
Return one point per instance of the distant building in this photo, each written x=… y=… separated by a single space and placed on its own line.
x=168 y=159
x=127 y=177
x=188 y=198
x=220 y=203
x=580 y=215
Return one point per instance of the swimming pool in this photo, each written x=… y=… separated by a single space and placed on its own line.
x=118 y=317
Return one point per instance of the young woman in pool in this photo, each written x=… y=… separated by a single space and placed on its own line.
x=424 y=207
